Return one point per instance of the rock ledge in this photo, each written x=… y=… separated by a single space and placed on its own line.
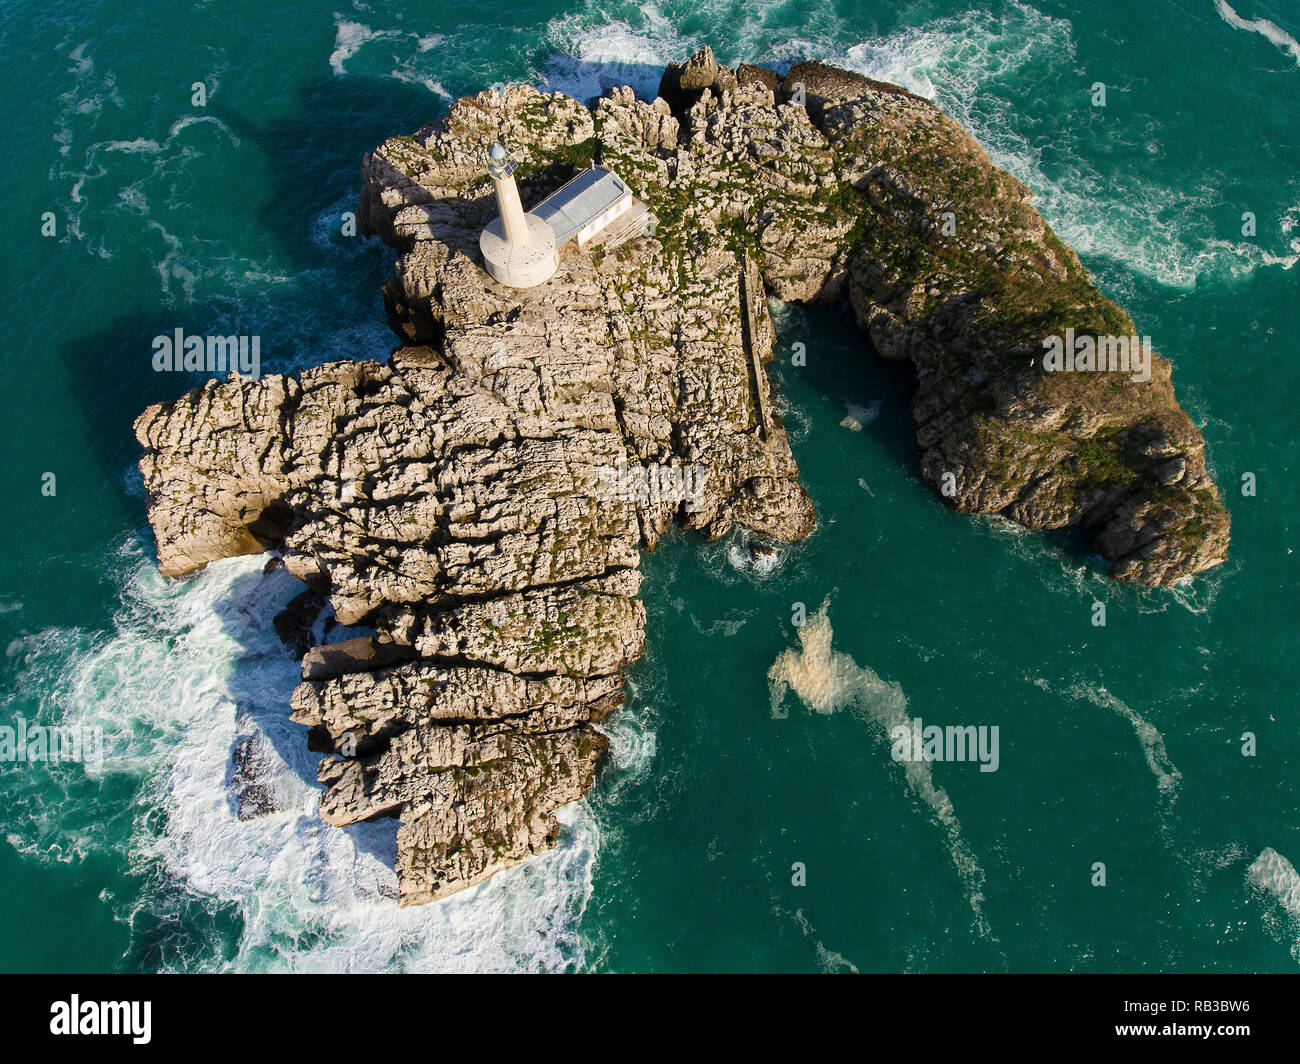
x=480 y=501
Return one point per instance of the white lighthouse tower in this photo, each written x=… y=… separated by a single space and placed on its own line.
x=518 y=249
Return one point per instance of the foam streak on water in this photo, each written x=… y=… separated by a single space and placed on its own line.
x=826 y=681
x=1276 y=876
x=828 y=960
x=1270 y=31
x=1148 y=735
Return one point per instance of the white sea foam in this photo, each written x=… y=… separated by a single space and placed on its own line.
x=1270 y=31
x=596 y=47
x=406 y=49
x=140 y=165
x=79 y=110
x=349 y=38
x=974 y=66
x=414 y=78
x=1149 y=736
x=1274 y=875
x=761 y=564
x=175 y=265
x=181 y=124
x=590 y=58
x=632 y=747
x=971 y=65
x=741 y=555
x=83 y=103
x=728 y=626
x=829 y=961
x=192 y=668
x=827 y=681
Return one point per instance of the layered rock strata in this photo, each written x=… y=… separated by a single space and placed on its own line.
x=480 y=501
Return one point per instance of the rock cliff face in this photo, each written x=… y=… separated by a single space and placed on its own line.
x=954 y=270
x=480 y=501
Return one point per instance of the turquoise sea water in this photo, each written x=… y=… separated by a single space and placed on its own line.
x=1118 y=745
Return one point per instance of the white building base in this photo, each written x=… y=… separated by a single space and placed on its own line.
x=520 y=267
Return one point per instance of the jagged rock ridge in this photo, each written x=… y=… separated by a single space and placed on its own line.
x=457 y=501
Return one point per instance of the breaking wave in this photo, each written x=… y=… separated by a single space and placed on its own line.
x=349 y=38
x=974 y=66
x=192 y=669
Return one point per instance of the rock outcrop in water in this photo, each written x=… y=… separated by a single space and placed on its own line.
x=480 y=501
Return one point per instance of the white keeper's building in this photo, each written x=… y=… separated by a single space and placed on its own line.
x=522 y=249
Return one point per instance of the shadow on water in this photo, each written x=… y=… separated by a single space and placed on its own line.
x=842 y=366
x=843 y=370
x=314 y=155
x=314 y=159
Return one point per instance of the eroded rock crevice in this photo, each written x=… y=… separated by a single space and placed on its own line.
x=457 y=499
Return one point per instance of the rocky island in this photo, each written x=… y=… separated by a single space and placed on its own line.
x=454 y=499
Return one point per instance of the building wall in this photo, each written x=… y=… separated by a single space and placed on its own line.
x=603 y=219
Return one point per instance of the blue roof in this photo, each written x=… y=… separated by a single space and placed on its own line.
x=572 y=206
